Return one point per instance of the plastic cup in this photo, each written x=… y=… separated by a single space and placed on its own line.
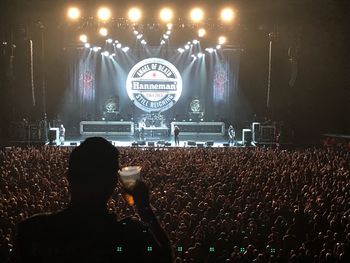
x=129 y=175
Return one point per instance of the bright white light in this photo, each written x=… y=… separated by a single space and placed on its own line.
x=218 y=47
x=105 y=53
x=200 y=55
x=197 y=14
x=136 y=32
x=162 y=42
x=116 y=41
x=125 y=49
x=95 y=49
x=134 y=14
x=195 y=41
x=227 y=15
x=113 y=55
x=109 y=40
x=104 y=13
x=73 y=13
x=165 y=36
x=187 y=47
x=169 y=26
x=201 y=32
x=143 y=42
x=210 y=50
x=222 y=40
x=87 y=45
x=103 y=31
x=166 y=14
x=139 y=36
x=168 y=32
x=119 y=45
x=181 y=50
x=83 y=38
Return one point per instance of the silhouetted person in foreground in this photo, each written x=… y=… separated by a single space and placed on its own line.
x=85 y=231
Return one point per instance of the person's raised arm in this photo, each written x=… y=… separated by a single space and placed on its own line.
x=141 y=198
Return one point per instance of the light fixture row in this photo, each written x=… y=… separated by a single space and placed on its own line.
x=166 y=14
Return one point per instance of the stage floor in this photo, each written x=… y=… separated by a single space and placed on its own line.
x=126 y=141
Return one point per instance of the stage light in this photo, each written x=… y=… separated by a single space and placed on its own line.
x=143 y=42
x=166 y=14
x=227 y=15
x=187 y=47
x=210 y=50
x=181 y=50
x=87 y=45
x=139 y=36
x=105 y=53
x=116 y=41
x=125 y=49
x=103 y=31
x=119 y=45
x=73 y=13
x=104 y=13
x=197 y=14
x=95 y=49
x=109 y=40
x=162 y=42
x=83 y=38
x=200 y=55
x=169 y=26
x=201 y=32
x=134 y=14
x=136 y=32
x=221 y=40
x=168 y=32
x=165 y=36
x=195 y=41
x=218 y=47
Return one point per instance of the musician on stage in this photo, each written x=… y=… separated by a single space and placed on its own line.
x=232 y=135
x=62 y=133
x=142 y=127
x=176 y=135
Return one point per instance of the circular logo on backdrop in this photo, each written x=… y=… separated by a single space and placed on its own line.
x=154 y=84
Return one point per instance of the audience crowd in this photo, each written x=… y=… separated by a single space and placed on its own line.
x=216 y=204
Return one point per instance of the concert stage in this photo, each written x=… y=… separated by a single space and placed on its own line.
x=129 y=128
x=167 y=141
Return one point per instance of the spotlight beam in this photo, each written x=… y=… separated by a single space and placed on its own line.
x=227 y=15
x=104 y=13
x=134 y=14
x=73 y=13
x=166 y=15
x=197 y=15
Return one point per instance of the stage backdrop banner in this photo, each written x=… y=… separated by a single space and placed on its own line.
x=221 y=83
x=174 y=82
x=80 y=98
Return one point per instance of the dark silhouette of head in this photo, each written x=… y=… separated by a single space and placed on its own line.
x=92 y=171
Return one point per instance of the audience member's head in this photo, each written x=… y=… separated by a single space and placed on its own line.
x=92 y=172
